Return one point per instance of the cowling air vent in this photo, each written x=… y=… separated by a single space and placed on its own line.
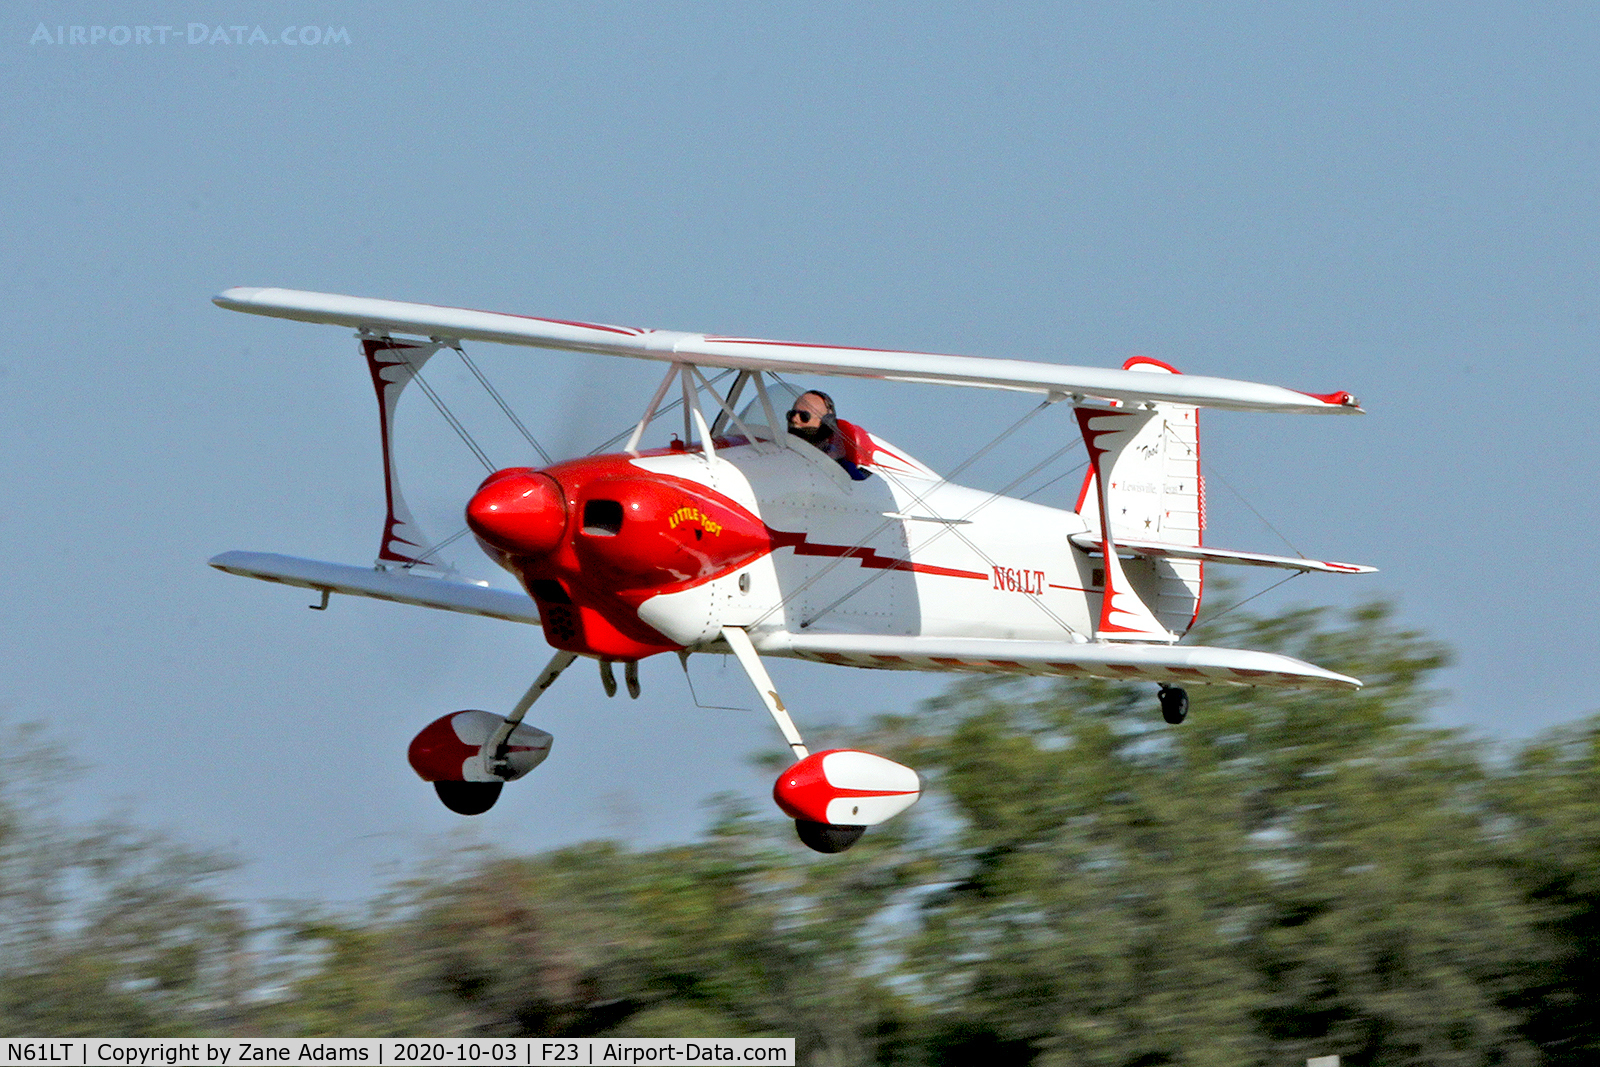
x=602 y=518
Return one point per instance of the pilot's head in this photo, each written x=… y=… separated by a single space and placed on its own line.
x=812 y=418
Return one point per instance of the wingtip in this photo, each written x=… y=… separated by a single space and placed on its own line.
x=1342 y=400
x=238 y=296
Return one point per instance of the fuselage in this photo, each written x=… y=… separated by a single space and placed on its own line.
x=629 y=555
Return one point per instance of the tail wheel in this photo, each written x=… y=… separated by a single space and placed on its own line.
x=825 y=837
x=468 y=798
x=1174 y=704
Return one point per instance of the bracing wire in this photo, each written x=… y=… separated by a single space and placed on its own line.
x=1258 y=514
x=852 y=551
x=422 y=557
x=449 y=417
x=1246 y=600
x=963 y=538
x=664 y=409
x=695 y=696
x=498 y=399
x=461 y=431
x=1030 y=494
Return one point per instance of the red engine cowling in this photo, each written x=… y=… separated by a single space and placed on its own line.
x=450 y=748
x=846 y=787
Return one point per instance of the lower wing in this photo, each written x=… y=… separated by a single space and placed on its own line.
x=402 y=587
x=1206 y=554
x=1186 y=664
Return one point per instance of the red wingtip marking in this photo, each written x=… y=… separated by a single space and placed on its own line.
x=1341 y=399
x=1134 y=361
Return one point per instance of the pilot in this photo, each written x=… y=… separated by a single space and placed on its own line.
x=813 y=419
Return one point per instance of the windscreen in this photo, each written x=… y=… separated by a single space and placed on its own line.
x=782 y=396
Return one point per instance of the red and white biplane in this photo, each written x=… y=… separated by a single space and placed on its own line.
x=740 y=537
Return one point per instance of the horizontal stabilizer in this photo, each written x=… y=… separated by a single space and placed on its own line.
x=1091 y=543
x=1180 y=664
x=1090 y=384
x=402 y=587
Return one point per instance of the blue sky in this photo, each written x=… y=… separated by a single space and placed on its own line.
x=1394 y=200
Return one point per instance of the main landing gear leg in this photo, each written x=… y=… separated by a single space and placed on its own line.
x=494 y=755
x=818 y=836
x=1174 y=704
x=745 y=652
x=443 y=752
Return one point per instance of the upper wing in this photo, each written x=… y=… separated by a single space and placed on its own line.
x=751 y=354
x=399 y=586
x=1187 y=664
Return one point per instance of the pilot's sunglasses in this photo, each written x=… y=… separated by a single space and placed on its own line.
x=803 y=416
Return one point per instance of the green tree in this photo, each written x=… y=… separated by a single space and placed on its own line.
x=736 y=935
x=1550 y=796
x=107 y=929
x=1285 y=875
x=1288 y=874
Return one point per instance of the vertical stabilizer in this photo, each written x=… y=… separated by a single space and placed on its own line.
x=1144 y=484
x=393 y=364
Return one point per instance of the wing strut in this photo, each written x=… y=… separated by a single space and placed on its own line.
x=726 y=404
x=1123 y=614
x=632 y=447
x=730 y=400
x=393 y=365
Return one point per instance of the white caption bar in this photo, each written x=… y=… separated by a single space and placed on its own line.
x=374 y=1051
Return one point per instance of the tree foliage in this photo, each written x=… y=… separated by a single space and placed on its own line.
x=106 y=929
x=1285 y=875
x=1550 y=800
x=1288 y=874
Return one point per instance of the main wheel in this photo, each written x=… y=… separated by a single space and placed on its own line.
x=468 y=798
x=825 y=837
x=1174 y=704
